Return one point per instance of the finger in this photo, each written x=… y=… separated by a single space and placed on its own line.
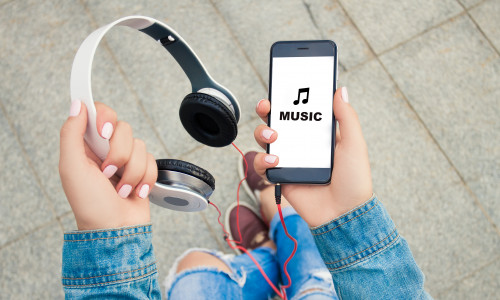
x=120 y=149
x=264 y=135
x=264 y=161
x=72 y=145
x=263 y=108
x=144 y=187
x=134 y=170
x=349 y=126
x=106 y=120
x=337 y=133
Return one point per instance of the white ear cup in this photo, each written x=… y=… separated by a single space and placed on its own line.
x=179 y=191
x=168 y=196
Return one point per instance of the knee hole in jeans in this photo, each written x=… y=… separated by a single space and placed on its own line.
x=201 y=259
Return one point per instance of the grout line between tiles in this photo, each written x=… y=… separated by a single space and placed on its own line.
x=411 y=38
x=321 y=34
x=467 y=276
x=448 y=159
x=242 y=50
x=25 y=234
x=479 y=27
x=30 y=164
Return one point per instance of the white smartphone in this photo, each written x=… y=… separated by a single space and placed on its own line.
x=302 y=82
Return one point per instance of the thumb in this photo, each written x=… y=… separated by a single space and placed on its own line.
x=349 y=126
x=72 y=144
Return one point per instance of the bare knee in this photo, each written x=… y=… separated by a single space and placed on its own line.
x=201 y=259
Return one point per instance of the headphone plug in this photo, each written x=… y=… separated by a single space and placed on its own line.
x=277 y=193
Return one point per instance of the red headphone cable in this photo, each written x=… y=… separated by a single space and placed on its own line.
x=281 y=294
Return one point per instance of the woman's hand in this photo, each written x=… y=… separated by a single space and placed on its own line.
x=351 y=183
x=99 y=197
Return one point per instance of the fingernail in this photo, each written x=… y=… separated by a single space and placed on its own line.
x=143 y=193
x=125 y=190
x=267 y=133
x=345 y=96
x=270 y=159
x=258 y=103
x=109 y=171
x=76 y=106
x=107 y=130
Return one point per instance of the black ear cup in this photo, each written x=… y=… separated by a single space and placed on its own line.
x=208 y=120
x=186 y=168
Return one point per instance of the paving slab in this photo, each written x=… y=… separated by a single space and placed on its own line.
x=484 y=283
x=333 y=24
x=258 y=24
x=447 y=233
x=387 y=23
x=31 y=267
x=450 y=77
x=486 y=15
x=158 y=80
x=23 y=206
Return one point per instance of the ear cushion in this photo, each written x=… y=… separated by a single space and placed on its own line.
x=186 y=168
x=208 y=120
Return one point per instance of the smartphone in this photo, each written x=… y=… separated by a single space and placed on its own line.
x=302 y=82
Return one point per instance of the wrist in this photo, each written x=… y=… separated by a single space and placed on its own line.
x=328 y=209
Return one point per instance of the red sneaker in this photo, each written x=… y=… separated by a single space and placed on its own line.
x=254 y=183
x=254 y=232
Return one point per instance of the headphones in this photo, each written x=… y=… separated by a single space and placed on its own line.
x=209 y=114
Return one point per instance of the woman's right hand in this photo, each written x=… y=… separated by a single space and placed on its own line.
x=99 y=198
x=351 y=183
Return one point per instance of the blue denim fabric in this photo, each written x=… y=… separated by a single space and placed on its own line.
x=367 y=257
x=244 y=282
x=306 y=269
x=114 y=263
x=310 y=277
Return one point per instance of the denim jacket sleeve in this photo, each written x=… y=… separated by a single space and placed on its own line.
x=367 y=257
x=111 y=263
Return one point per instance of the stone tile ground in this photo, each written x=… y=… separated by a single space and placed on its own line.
x=423 y=77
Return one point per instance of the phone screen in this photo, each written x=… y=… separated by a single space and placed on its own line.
x=301 y=111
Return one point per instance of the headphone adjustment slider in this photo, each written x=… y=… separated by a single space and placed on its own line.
x=167 y=40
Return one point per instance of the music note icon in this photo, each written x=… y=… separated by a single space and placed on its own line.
x=305 y=100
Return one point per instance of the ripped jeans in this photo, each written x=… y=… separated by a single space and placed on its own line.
x=310 y=277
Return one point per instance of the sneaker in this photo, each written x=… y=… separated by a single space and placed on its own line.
x=254 y=182
x=254 y=232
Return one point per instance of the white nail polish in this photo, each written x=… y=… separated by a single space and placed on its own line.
x=109 y=171
x=258 y=103
x=143 y=192
x=76 y=106
x=345 y=96
x=270 y=159
x=125 y=190
x=107 y=130
x=267 y=133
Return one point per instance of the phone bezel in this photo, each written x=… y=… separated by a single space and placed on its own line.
x=303 y=49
